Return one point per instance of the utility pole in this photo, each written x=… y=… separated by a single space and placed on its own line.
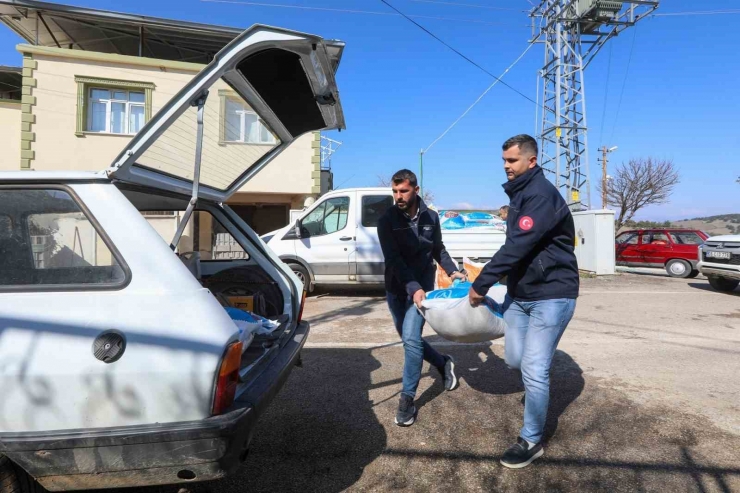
x=573 y=32
x=604 y=176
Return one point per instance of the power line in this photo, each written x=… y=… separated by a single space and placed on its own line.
x=438 y=2
x=457 y=52
x=624 y=83
x=698 y=12
x=351 y=11
x=498 y=79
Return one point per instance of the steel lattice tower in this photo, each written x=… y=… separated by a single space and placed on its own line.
x=573 y=32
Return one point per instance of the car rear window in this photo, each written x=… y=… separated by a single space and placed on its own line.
x=46 y=239
x=686 y=238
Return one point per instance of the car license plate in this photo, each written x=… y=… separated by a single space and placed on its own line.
x=722 y=255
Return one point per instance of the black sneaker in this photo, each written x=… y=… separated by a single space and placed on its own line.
x=406 y=414
x=521 y=455
x=448 y=373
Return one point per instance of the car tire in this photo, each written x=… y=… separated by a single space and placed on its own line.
x=303 y=275
x=13 y=479
x=723 y=284
x=678 y=268
x=693 y=274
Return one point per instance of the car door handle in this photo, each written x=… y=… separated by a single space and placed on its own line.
x=345 y=238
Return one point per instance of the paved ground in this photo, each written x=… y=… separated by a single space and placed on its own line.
x=645 y=397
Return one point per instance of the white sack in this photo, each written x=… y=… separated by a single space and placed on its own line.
x=453 y=318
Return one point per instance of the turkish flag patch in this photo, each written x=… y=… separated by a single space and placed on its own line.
x=526 y=223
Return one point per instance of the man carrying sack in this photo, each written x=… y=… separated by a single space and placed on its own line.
x=411 y=239
x=542 y=286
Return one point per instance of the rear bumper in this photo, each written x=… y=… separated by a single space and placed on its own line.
x=153 y=454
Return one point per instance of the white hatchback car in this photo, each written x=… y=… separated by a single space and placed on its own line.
x=122 y=358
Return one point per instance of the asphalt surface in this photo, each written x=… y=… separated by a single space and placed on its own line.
x=645 y=396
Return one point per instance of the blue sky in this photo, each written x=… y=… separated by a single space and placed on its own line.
x=401 y=89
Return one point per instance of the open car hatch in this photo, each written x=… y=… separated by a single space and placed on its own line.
x=261 y=92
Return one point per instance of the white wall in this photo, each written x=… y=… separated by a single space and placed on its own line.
x=10 y=136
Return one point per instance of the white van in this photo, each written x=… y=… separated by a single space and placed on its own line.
x=335 y=241
x=124 y=360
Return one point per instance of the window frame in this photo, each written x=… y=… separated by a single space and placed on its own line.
x=128 y=105
x=322 y=205
x=671 y=235
x=651 y=236
x=84 y=106
x=227 y=96
x=115 y=253
x=629 y=235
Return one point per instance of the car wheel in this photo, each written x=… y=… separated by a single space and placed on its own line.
x=693 y=274
x=13 y=479
x=303 y=275
x=723 y=284
x=678 y=268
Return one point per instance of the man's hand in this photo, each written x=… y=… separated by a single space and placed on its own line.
x=459 y=275
x=419 y=296
x=475 y=298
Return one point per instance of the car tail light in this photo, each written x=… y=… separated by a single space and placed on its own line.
x=303 y=303
x=228 y=378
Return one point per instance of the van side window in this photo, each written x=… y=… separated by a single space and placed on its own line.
x=46 y=239
x=329 y=217
x=374 y=206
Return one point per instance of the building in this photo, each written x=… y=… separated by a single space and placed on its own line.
x=90 y=79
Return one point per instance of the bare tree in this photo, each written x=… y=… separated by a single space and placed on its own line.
x=427 y=195
x=638 y=184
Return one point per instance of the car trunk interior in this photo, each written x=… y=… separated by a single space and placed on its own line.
x=222 y=265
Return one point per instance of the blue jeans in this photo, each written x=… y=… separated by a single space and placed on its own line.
x=533 y=331
x=409 y=324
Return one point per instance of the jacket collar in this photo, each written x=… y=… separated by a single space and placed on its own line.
x=422 y=207
x=520 y=182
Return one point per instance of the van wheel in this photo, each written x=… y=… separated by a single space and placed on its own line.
x=723 y=284
x=678 y=268
x=13 y=479
x=303 y=275
x=693 y=274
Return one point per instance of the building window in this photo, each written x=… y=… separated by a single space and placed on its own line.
x=108 y=106
x=240 y=124
x=115 y=111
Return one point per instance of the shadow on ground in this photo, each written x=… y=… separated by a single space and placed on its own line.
x=331 y=429
x=704 y=286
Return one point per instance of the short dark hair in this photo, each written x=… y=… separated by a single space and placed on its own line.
x=403 y=175
x=504 y=208
x=524 y=141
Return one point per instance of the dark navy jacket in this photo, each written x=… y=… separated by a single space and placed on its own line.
x=409 y=249
x=539 y=254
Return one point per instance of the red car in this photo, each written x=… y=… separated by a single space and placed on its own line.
x=676 y=250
